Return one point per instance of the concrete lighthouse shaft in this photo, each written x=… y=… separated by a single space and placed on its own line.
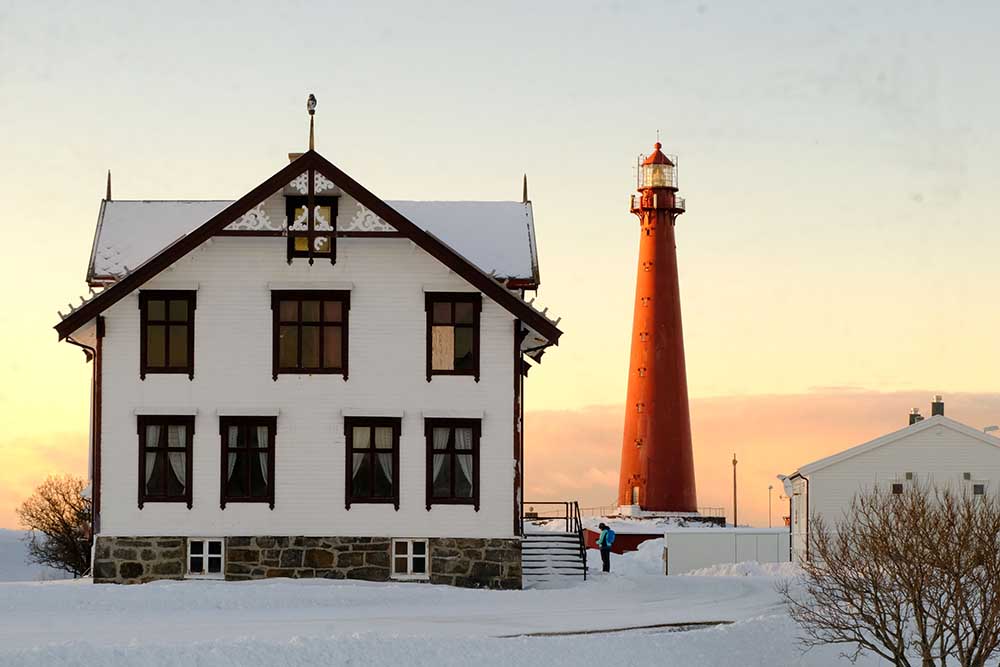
x=657 y=467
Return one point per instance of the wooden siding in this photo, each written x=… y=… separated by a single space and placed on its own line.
x=233 y=370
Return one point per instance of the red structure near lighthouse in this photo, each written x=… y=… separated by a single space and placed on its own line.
x=657 y=469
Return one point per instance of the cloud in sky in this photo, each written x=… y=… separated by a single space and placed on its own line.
x=574 y=454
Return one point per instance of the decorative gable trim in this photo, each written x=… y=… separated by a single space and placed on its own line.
x=310 y=160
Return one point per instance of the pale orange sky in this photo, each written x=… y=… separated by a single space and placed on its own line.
x=839 y=169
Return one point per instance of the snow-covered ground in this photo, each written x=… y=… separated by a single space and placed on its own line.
x=312 y=622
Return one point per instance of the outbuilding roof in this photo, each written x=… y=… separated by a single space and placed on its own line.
x=931 y=422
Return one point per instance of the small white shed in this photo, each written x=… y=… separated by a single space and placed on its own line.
x=687 y=549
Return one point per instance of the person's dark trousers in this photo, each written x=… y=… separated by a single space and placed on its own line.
x=606 y=558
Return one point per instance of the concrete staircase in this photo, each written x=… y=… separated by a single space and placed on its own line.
x=553 y=557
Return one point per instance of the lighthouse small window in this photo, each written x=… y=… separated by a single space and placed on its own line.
x=453 y=333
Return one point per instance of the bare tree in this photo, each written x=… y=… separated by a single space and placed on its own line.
x=58 y=517
x=911 y=577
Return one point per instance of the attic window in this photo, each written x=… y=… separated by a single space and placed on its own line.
x=311 y=235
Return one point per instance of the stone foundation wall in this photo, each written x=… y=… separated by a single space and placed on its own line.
x=475 y=562
x=135 y=560
x=300 y=557
x=467 y=562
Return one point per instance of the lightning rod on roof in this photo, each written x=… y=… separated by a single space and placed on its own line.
x=107 y=195
x=524 y=194
x=311 y=108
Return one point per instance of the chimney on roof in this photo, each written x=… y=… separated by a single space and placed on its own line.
x=915 y=416
x=937 y=406
x=107 y=195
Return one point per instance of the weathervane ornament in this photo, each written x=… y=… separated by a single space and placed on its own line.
x=311 y=108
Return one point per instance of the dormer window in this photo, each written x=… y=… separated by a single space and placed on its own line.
x=313 y=235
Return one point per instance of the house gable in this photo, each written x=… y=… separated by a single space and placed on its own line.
x=244 y=212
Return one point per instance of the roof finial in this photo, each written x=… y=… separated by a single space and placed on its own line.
x=524 y=193
x=107 y=195
x=311 y=108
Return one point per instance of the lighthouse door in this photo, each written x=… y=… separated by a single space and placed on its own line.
x=635 y=495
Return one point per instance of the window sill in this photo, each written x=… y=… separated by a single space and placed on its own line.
x=248 y=412
x=206 y=577
x=410 y=577
x=324 y=286
x=164 y=412
x=453 y=414
x=394 y=413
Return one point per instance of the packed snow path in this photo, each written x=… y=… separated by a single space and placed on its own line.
x=308 y=622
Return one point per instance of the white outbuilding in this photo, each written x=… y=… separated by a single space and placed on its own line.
x=937 y=450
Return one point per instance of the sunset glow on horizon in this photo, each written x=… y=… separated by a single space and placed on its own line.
x=838 y=258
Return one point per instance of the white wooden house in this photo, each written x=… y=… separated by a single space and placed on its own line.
x=936 y=451
x=309 y=381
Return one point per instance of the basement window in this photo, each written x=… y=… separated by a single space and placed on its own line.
x=205 y=558
x=409 y=559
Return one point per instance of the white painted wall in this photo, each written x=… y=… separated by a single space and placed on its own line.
x=939 y=455
x=233 y=370
x=692 y=548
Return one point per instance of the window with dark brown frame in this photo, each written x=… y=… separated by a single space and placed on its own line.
x=165 y=467
x=372 y=464
x=247 y=460
x=452 y=461
x=166 y=343
x=310 y=332
x=453 y=333
x=311 y=235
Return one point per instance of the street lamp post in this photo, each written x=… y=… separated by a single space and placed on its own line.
x=735 y=522
x=769 y=487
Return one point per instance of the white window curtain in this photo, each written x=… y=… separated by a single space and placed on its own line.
x=383 y=440
x=463 y=442
x=262 y=442
x=232 y=441
x=152 y=440
x=177 y=437
x=358 y=460
x=440 y=442
x=361 y=439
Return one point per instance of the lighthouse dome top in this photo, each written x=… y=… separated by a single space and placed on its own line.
x=657 y=170
x=657 y=156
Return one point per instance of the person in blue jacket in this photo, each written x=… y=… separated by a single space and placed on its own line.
x=604 y=542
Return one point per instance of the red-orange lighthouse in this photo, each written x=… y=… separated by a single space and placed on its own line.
x=657 y=471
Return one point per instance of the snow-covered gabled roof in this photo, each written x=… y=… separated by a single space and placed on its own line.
x=496 y=236
x=130 y=232
x=937 y=420
x=314 y=168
